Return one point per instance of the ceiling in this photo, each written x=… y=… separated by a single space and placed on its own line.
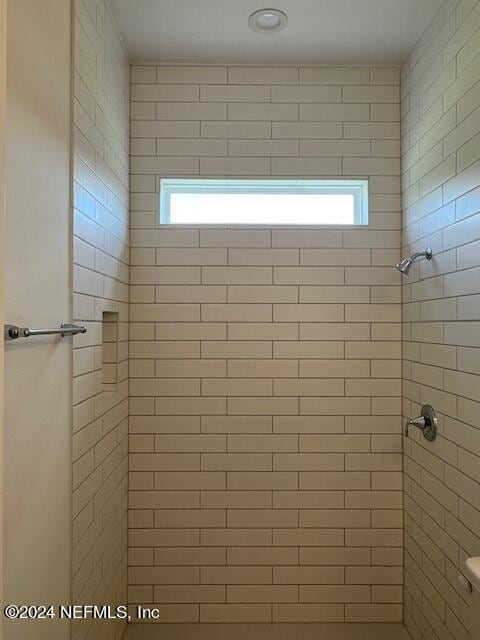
x=318 y=31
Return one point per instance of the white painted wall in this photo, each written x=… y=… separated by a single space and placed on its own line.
x=38 y=372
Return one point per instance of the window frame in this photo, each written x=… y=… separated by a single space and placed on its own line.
x=358 y=188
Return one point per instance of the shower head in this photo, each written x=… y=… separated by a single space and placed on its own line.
x=406 y=263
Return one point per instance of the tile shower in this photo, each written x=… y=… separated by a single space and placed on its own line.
x=264 y=387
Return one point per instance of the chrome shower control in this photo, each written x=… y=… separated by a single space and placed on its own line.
x=426 y=422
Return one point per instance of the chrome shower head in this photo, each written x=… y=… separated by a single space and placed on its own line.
x=406 y=263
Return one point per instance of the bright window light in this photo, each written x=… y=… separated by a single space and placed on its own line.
x=264 y=202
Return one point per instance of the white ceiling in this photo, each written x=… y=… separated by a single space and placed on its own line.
x=318 y=31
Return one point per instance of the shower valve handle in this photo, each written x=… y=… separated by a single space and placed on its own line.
x=426 y=422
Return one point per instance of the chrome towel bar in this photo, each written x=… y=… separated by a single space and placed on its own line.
x=12 y=332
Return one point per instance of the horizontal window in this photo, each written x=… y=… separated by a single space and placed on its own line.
x=267 y=202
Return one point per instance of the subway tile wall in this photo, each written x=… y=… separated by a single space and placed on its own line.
x=100 y=284
x=441 y=192
x=265 y=399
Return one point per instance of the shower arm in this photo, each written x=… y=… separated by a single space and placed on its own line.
x=422 y=254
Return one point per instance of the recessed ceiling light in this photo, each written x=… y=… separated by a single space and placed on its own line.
x=268 y=20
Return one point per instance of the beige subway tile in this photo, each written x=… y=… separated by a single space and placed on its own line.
x=264 y=593
x=334 y=75
x=262 y=111
x=262 y=75
x=334 y=368
x=152 y=129
x=325 y=480
x=373 y=575
x=308 y=612
x=334 y=556
x=237 y=500
x=168 y=368
x=306 y=238
x=228 y=129
x=171 y=613
x=259 y=481
x=236 y=349
x=255 y=331
x=308 y=575
x=308 y=462
x=262 y=406
x=151 y=92
x=165 y=165
x=277 y=293
x=275 y=368
x=234 y=238
x=191 y=74
x=373 y=461
x=235 y=537
x=189 y=443
x=334 y=112
x=334 y=518
x=271 y=148
x=164 y=238
x=262 y=443
x=189 y=519
x=308 y=424
x=231 y=312
x=164 y=312
x=181 y=293
x=235 y=613
x=245 y=257
x=307 y=538
x=330 y=294
x=308 y=499
x=373 y=387
x=189 y=594
x=386 y=594
x=157 y=387
x=319 y=93
x=164 y=462
x=373 y=537
x=307 y=130
x=180 y=331
x=145 y=499
x=306 y=166
x=234 y=166
x=201 y=257
x=340 y=443
x=334 y=593
x=236 y=424
x=236 y=462
x=162 y=575
x=335 y=148
x=252 y=518
x=236 y=387
x=190 y=406
x=308 y=349
x=164 y=349
x=308 y=275
x=191 y=111
x=163 y=538
x=142 y=73
x=308 y=387
x=373 y=499
x=335 y=406
x=379 y=350
x=308 y=312
x=232 y=93
x=191 y=147
x=180 y=481
x=373 y=612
